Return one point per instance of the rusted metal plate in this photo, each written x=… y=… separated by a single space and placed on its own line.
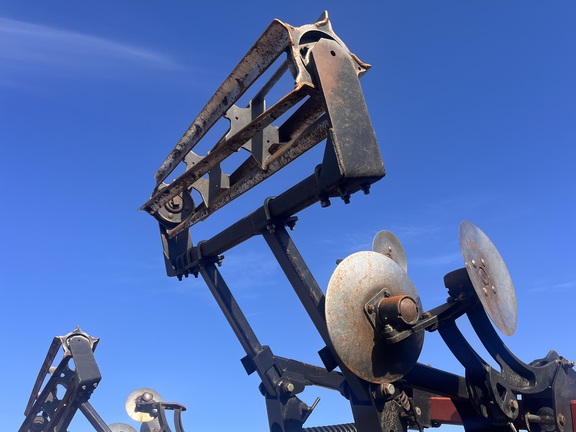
x=443 y=411
x=489 y=276
x=388 y=244
x=356 y=280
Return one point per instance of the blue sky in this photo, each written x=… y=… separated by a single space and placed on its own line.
x=473 y=104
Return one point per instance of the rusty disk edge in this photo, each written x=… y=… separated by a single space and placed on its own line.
x=356 y=280
x=386 y=243
x=121 y=427
x=490 y=277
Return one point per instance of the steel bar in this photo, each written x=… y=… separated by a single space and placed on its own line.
x=437 y=381
x=367 y=416
x=41 y=399
x=237 y=321
x=313 y=375
x=263 y=53
x=93 y=417
x=286 y=154
x=224 y=149
x=290 y=202
x=44 y=371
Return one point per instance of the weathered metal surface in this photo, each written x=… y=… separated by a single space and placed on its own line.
x=224 y=149
x=121 y=427
x=251 y=127
x=356 y=280
x=489 y=276
x=131 y=404
x=388 y=244
x=263 y=53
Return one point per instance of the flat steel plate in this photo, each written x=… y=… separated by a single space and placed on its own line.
x=388 y=244
x=356 y=280
x=490 y=277
x=131 y=404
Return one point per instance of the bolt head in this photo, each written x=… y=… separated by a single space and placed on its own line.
x=388 y=389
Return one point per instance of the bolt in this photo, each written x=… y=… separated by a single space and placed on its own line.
x=83 y=387
x=474 y=263
x=147 y=396
x=389 y=248
x=325 y=202
x=493 y=289
x=388 y=389
x=418 y=411
x=561 y=420
x=483 y=410
x=288 y=387
x=482 y=261
x=95 y=385
x=513 y=404
x=370 y=308
x=485 y=291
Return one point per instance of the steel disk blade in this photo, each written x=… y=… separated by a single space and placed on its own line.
x=356 y=280
x=121 y=427
x=388 y=244
x=131 y=404
x=489 y=276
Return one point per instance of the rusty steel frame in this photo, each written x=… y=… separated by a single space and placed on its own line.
x=305 y=128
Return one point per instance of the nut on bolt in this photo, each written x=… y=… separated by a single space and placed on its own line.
x=561 y=420
x=388 y=389
x=288 y=387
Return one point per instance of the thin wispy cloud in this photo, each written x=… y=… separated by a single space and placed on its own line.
x=38 y=49
x=555 y=287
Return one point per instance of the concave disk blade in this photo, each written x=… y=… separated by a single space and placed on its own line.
x=121 y=427
x=131 y=404
x=388 y=244
x=356 y=280
x=489 y=276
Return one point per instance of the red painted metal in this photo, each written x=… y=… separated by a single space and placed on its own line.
x=573 y=410
x=443 y=411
